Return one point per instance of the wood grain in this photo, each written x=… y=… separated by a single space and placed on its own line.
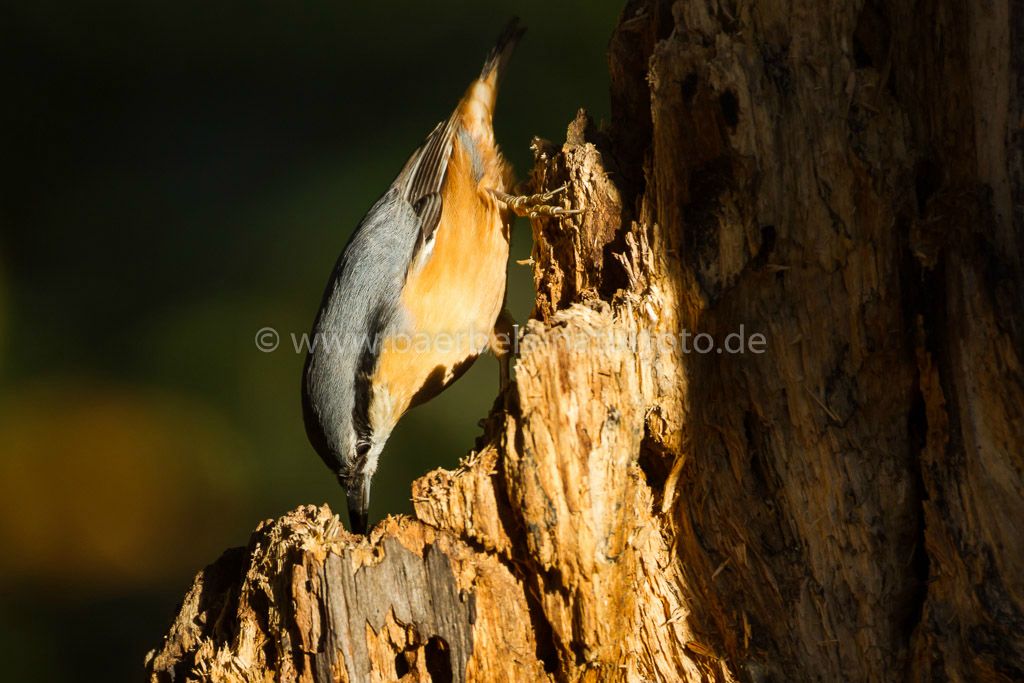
x=845 y=178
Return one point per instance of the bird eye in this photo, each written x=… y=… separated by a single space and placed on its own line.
x=362 y=448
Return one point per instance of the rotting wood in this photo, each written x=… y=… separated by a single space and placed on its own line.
x=845 y=178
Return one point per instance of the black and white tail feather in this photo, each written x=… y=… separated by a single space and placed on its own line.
x=425 y=173
x=497 y=58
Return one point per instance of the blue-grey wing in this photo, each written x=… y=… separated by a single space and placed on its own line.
x=422 y=180
x=360 y=308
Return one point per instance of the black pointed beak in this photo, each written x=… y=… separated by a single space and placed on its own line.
x=358 y=507
x=357 y=518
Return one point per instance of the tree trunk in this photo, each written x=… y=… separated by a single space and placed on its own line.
x=844 y=178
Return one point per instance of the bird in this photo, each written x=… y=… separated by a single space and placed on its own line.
x=418 y=292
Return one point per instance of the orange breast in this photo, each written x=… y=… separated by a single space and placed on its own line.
x=453 y=299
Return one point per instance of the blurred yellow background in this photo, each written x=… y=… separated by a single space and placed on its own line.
x=179 y=175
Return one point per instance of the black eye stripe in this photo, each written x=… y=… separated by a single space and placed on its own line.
x=362 y=450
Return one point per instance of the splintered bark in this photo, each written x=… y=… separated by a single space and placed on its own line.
x=846 y=179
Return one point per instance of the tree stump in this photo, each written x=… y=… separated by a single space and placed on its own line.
x=844 y=178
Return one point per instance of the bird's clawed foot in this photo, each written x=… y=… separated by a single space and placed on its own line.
x=535 y=205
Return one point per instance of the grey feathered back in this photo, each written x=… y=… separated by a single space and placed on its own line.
x=360 y=302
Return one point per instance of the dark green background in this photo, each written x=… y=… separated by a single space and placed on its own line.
x=176 y=176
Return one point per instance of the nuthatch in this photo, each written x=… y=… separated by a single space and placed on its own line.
x=418 y=291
